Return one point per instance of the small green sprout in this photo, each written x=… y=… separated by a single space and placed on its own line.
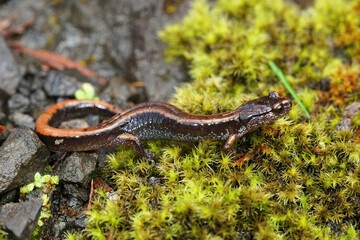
x=87 y=92
x=39 y=182
x=47 y=183
x=45 y=212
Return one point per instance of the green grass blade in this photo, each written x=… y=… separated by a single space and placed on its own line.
x=280 y=75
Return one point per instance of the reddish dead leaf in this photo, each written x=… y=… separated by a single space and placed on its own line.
x=100 y=183
x=343 y=84
x=357 y=136
x=97 y=183
x=71 y=212
x=241 y=158
x=56 y=61
x=91 y=194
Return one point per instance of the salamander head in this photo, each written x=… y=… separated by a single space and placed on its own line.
x=264 y=109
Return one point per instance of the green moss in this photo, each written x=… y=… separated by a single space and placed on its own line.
x=295 y=178
x=3 y=235
x=246 y=36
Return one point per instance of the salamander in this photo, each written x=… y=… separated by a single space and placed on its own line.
x=153 y=120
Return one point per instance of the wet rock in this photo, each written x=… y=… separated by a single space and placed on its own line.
x=21 y=156
x=92 y=120
x=348 y=113
x=103 y=156
x=81 y=16
x=76 y=191
x=75 y=206
x=89 y=120
x=9 y=72
x=9 y=197
x=35 y=193
x=38 y=101
x=19 y=103
x=119 y=92
x=21 y=119
x=57 y=84
x=31 y=82
x=136 y=47
x=80 y=222
x=59 y=226
x=38 y=97
x=26 y=10
x=19 y=220
x=74 y=124
x=77 y=167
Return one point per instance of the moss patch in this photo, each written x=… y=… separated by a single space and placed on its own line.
x=294 y=178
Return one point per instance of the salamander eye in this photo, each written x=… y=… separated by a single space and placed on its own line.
x=274 y=95
x=277 y=106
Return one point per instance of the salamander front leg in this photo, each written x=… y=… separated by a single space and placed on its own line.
x=228 y=145
x=131 y=140
x=237 y=157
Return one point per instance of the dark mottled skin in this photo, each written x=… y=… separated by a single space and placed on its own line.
x=154 y=121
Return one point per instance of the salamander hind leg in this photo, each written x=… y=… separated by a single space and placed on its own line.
x=131 y=140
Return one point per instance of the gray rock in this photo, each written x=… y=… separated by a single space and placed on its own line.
x=74 y=124
x=19 y=103
x=77 y=167
x=31 y=82
x=21 y=119
x=27 y=10
x=348 y=113
x=59 y=227
x=57 y=84
x=9 y=71
x=76 y=191
x=21 y=156
x=19 y=220
x=136 y=47
x=38 y=97
x=119 y=92
x=80 y=222
x=75 y=204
